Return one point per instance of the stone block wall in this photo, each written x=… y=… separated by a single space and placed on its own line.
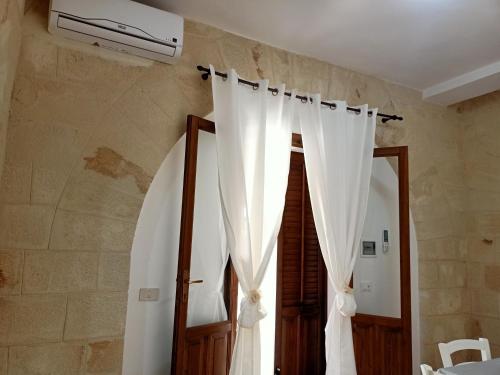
x=482 y=174
x=88 y=128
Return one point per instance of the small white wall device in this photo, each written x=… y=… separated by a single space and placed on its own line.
x=121 y=25
x=385 y=247
x=368 y=249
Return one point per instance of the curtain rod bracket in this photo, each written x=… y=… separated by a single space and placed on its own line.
x=206 y=73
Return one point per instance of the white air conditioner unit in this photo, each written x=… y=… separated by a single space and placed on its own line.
x=121 y=25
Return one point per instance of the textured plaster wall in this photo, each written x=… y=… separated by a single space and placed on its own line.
x=482 y=176
x=11 y=15
x=88 y=129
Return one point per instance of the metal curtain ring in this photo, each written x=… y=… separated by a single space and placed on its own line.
x=274 y=92
x=303 y=99
x=255 y=86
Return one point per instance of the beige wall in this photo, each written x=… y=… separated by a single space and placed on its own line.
x=482 y=174
x=88 y=129
x=11 y=12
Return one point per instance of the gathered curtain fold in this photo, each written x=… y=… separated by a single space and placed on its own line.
x=338 y=150
x=253 y=137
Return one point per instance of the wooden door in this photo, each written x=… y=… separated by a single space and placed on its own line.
x=204 y=349
x=207 y=348
x=382 y=345
x=301 y=283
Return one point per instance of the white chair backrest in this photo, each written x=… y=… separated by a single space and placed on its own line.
x=427 y=370
x=447 y=349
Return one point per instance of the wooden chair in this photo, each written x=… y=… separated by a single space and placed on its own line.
x=447 y=349
x=427 y=370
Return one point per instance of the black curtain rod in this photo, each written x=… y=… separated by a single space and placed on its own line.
x=303 y=99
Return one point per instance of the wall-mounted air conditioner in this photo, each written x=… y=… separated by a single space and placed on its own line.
x=121 y=25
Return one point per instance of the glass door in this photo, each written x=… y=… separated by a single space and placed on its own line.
x=206 y=294
x=381 y=278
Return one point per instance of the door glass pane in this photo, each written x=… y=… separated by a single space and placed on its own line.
x=377 y=271
x=208 y=255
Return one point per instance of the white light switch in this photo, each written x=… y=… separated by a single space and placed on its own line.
x=149 y=294
x=366 y=286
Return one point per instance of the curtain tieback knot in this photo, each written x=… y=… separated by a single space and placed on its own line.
x=251 y=310
x=348 y=290
x=345 y=302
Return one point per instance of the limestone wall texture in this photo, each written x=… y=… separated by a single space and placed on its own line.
x=482 y=176
x=88 y=128
x=11 y=15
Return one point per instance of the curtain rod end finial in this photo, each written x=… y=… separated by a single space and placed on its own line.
x=395 y=118
x=205 y=75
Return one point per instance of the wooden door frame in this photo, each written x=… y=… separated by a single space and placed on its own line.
x=194 y=126
x=401 y=153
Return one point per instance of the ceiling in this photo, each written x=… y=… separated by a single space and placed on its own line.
x=436 y=46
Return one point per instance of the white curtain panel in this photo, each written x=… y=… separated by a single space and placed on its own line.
x=338 y=151
x=253 y=136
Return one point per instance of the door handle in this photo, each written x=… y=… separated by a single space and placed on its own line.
x=185 y=285
x=186 y=288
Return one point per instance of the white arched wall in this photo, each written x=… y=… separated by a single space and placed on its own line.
x=148 y=329
x=148 y=339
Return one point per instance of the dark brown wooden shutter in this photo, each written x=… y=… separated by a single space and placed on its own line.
x=301 y=290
